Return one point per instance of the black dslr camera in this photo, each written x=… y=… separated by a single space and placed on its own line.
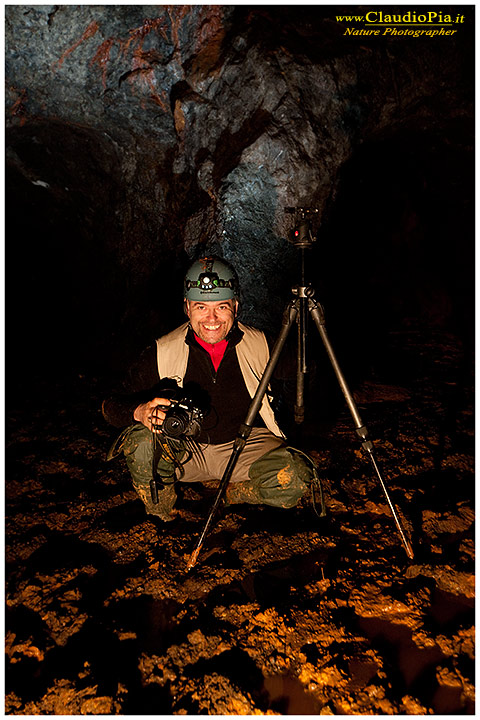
x=182 y=419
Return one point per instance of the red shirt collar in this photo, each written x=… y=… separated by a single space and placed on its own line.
x=216 y=351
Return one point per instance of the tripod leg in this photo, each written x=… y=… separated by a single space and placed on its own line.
x=245 y=429
x=317 y=315
x=362 y=432
x=404 y=539
x=237 y=449
x=299 y=411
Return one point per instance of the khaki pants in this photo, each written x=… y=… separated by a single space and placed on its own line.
x=266 y=471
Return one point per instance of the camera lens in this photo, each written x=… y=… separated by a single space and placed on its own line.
x=175 y=424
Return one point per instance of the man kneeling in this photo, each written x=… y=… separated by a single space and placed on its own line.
x=221 y=361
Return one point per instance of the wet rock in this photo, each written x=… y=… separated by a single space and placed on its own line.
x=369 y=603
x=447 y=578
x=436 y=524
x=412 y=707
x=452 y=687
x=463 y=642
x=65 y=699
x=15 y=650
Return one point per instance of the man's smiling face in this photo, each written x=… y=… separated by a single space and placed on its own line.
x=212 y=320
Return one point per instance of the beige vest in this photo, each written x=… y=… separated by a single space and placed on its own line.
x=252 y=353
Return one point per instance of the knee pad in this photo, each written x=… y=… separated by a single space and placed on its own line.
x=282 y=476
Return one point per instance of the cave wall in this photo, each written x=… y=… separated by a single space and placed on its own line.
x=140 y=136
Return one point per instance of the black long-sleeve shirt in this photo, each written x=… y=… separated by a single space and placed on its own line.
x=222 y=392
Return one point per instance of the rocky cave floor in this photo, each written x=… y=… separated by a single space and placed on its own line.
x=284 y=613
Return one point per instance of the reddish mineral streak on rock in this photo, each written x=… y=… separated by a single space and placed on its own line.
x=141 y=69
x=211 y=24
x=210 y=36
x=143 y=75
x=18 y=108
x=142 y=72
x=102 y=57
x=89 y=32
x=140 y=33
x=176 y=14
x=18 y=104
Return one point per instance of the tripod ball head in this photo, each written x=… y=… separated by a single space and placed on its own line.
x=301 y=235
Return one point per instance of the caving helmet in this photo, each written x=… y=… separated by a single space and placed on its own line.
x=211 y=278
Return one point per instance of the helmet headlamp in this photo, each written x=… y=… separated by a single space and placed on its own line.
x=211 y=279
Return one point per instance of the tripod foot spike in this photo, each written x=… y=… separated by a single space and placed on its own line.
x=193 y=559
x=409 y=550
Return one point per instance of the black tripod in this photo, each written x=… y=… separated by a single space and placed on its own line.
x=303 y=300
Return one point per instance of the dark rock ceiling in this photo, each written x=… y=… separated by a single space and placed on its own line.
x=141 y=136
x=138 y=137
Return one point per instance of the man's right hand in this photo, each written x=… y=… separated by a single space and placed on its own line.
x=146 y=412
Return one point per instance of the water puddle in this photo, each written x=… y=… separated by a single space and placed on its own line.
x=418 y=666
x=396 y=641
x=271 y=585
x=288 y=696
x=447 y=608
